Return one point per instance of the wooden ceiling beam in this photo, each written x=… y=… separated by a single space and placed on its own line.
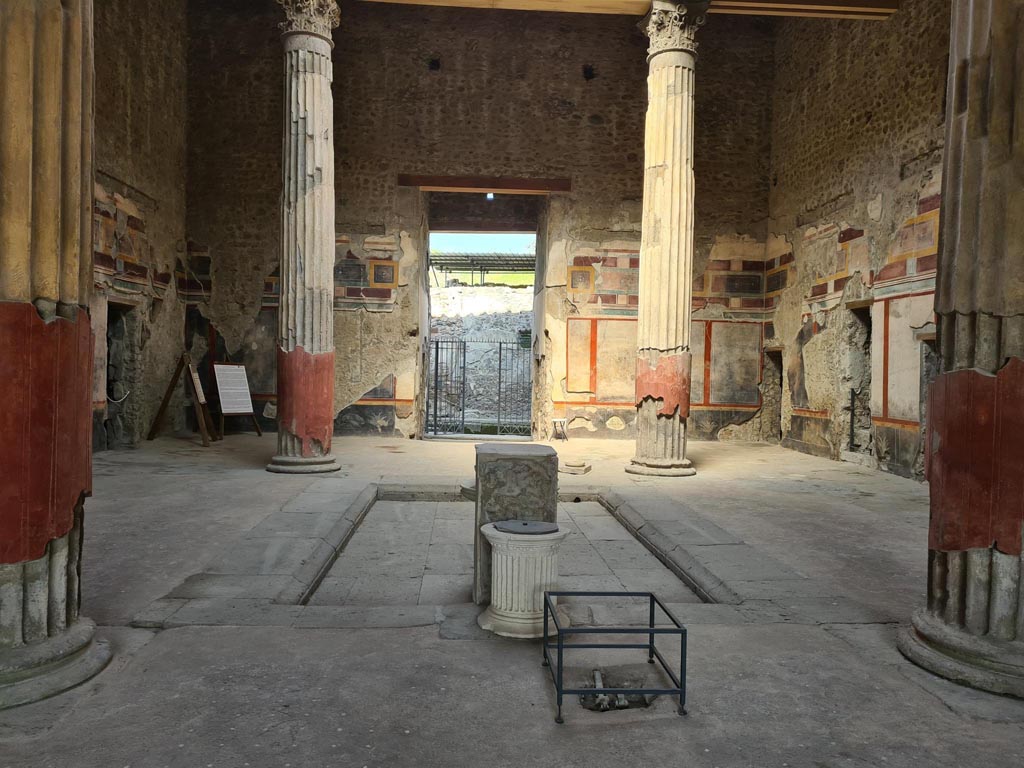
x=832 y=9
x=484 y=184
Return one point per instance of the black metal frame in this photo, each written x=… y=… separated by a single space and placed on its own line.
x=446 y=390
x=652 y=652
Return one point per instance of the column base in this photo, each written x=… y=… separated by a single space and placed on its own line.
x=511 y=624
x=516 y=625
x=996 y=666
x=300 y=465
x=661 y=467
x=39 y=670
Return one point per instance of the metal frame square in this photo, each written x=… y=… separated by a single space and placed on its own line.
x=653 y=654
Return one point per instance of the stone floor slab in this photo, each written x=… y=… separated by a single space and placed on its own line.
x=449 y=559
x=602 y=528
x=663 y=583
x=446 y=590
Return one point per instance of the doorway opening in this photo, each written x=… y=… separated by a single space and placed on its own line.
x=482 y=263
x=121 y=425
x=858 y=379
x=771 y=396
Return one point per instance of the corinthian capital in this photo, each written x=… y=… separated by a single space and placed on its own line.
x=672 y=26
x=316 y=17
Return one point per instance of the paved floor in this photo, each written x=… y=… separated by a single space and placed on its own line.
x=811 y=682
x=421 y=553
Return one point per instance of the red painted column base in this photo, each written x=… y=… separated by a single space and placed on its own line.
x=668 y=381
x=975 y=459
x=663 y=405
x=305 y=412
x=45 y=427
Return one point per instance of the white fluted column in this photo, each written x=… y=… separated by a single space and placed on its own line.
x=305 y=355
x=523 y=568
x=666 y=246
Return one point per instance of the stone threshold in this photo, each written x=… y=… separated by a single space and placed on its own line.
x=271 y=584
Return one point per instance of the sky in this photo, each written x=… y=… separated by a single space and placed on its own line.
x=476 y=242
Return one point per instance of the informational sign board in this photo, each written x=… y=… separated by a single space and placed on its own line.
x=233 y=386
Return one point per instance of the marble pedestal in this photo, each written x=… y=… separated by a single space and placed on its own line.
x=522 y=569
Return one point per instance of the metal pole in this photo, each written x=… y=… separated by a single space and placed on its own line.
x=437 y=360
x=682 y=673
x=559 y=686
x=499 y=387
x=650 y=637
x=463 y=387
x=544 y=647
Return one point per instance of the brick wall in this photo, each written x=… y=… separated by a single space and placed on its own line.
x=856 y=165
x=444 y=91
x=139 y=212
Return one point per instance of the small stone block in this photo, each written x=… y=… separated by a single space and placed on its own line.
x=575 y=467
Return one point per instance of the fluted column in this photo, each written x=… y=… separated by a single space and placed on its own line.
x=972 y=629
x=46 y=182
x=305 y=355
x=523 y=568
x=666 y=245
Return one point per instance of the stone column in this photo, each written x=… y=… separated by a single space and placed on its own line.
x=305 y=355
x=666 y=246
x=46 y=190
x=972 y=629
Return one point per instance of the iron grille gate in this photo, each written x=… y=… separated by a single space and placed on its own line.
x=479 y=387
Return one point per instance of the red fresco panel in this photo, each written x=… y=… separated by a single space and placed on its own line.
x=45 y=425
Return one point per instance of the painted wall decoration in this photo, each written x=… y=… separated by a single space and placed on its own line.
x=581 y=279
x=382 y=274
x=378 y=411
x=895 y=302
x=366 y=272
x=614 y=279
x=122 y=255
x=594 y=364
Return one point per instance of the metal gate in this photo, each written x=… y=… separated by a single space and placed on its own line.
x=479 y=387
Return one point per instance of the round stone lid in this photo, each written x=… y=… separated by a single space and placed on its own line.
x=526 y=527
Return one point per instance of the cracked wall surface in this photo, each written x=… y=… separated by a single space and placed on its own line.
x=818 y=162
x=139 y=211
x=856 y=165
x=455 y=92
x=589 y=293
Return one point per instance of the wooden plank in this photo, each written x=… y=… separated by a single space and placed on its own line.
x=198 y=399
x=167 y=399
x=484 y=184
x=833 y=9
x=233 y=388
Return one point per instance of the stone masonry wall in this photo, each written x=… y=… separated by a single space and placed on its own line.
x=234 y=129
x=601 y=232
x=140 y=204
x=856 y=164
x=446 y=91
